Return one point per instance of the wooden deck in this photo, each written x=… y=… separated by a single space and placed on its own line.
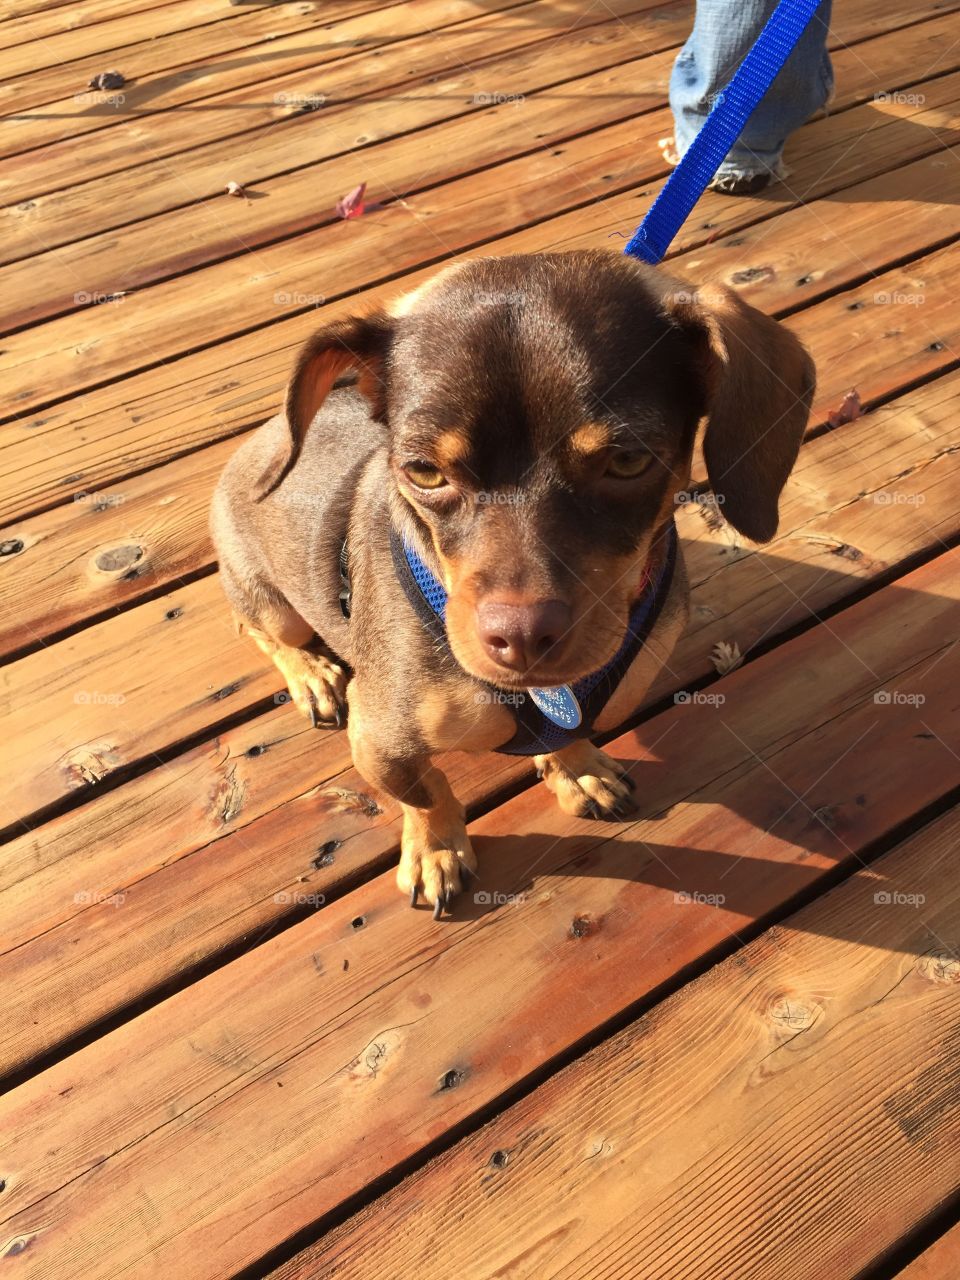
x=717 y=1043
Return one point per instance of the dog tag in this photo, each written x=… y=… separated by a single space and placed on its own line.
x=559 y=705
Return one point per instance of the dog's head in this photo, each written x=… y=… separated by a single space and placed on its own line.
x=542 y=412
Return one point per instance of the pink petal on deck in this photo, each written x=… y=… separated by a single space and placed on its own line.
x=351 y=205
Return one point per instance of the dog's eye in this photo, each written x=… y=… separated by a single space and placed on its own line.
x=625 y=464
x=424 y=476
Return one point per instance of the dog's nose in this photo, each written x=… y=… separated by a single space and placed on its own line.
x=518 y=635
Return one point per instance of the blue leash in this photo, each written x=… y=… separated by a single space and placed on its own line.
x=722 y=127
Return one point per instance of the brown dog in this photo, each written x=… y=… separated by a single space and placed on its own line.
x=492 y=504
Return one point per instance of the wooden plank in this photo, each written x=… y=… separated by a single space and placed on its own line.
x=480 y=58
x=16 y=9
x=196 y=1164
x=169 y=72
x=940 y=1262
x=63 y=36
x=44 y=90
x=59 y=358
x=168 y=69
x=246 y=815
x=154 y=527
x=84 y=445
x=65 y=279
x=213 y=229
x=810 y=250
x=163 y=515
x=116 y=723
x=225 y=115
x=203 y=170
x=115 y=700
x=824 y=1047
x=19 y=26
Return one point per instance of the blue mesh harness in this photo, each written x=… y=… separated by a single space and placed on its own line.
x=536 y=733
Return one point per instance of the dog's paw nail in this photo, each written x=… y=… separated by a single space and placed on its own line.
x=314 y=718
x=414 y=893
x=593 y=810
x=339 y=717
x=467 y=872
x=628 y=781
x=438 y=908
x=540 y=774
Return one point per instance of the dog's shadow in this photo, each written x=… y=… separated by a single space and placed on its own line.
x=765 y=797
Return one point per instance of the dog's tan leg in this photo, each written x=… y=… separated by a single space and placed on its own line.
x=586 y=781
x=317 y=685
x=436 y=857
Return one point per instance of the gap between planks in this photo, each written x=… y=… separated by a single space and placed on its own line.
x=518 y=69
x=58 y=359
x=166 y=505
x=179 y=62
x=252 y=807
x=794 y=711
x=669 y=1150
x=55 y=282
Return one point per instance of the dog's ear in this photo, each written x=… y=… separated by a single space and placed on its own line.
x=758 y=383
x=358 y=344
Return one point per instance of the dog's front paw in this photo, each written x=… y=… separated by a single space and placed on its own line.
x=587 y=782
x=317 y=686
x=438 y=873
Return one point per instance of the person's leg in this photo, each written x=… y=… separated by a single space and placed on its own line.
x=723 y=32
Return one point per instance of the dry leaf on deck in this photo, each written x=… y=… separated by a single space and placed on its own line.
x=108 y=80
x=850 y=408
x=710 y=511
x=726 y=657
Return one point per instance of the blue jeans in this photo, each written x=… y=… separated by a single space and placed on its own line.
x=723 y=32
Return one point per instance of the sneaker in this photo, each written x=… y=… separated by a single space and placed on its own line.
x=740 y=184
x=728 y=184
